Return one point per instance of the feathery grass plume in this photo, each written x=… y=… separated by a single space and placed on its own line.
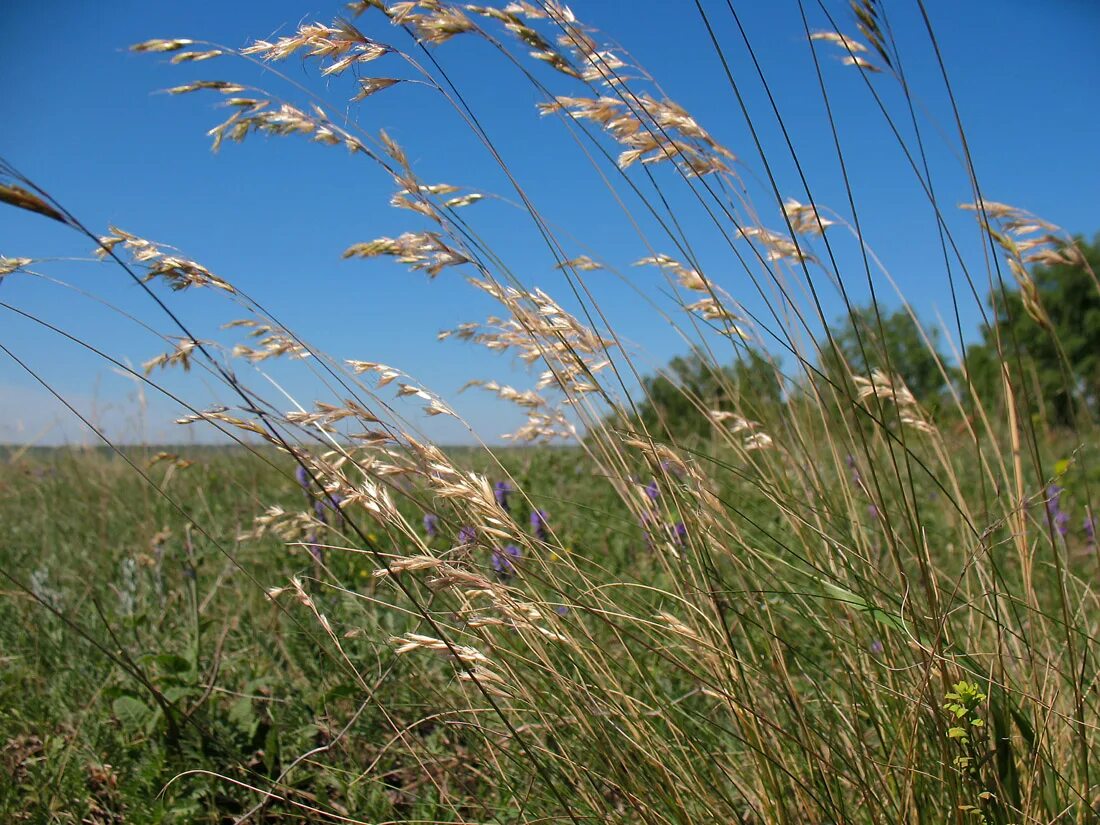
x=1026 y=239
x=21 y=198
x=179 y=273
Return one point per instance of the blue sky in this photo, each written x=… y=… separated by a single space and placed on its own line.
x=272 y=216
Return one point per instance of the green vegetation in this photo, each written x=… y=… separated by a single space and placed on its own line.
x=1058 y=357
x=165 y=656
x=1059 y=354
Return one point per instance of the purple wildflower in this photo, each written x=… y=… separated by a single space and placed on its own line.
x=322 y=506
x=1058 y=516
x=652 y=491
x=320 y=510
x=540 y=525
x=561 y=609
x=876 y=647
x=681 y=533
x=303 y=480
x=1054 y=499
x=431 y=525
x=857 y=479
x=504 y=561
x=467 y=535
x=315 y=550
x=336 y=502
x=1089 y=526
x=872 y=511
x=672 y=467
x=501 y=491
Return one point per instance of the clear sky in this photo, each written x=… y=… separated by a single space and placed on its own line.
x=82 y=118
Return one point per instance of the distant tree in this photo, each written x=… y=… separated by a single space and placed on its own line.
x=672 y=399
x=891 y=342
x=1059 y=356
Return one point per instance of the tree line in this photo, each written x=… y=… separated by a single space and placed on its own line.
x=1052 y=356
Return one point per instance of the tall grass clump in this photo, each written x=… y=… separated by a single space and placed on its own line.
x=777 y=585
